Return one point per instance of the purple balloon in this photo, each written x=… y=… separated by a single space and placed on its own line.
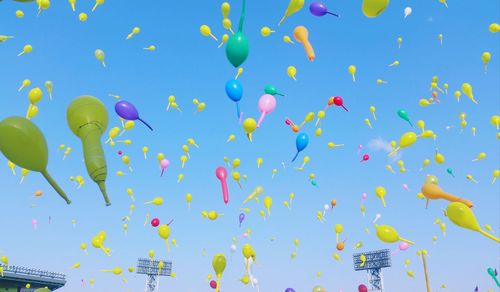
x=242 y=217
x=319 y=9
x=128 y=111
x=289 y=290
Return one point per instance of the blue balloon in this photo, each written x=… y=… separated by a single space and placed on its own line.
x=234 y=90
x=289 y=290
x=301 y=143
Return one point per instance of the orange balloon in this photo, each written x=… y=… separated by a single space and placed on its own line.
x=301 y=34
x=434 y=94
x=295 y=128
x=38 y=193
x=334 y=203
x=341 y=245
x=331 y=100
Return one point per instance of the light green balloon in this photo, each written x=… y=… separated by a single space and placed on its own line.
x=219 y=264
x=88 y=119
x=431 y=179
x=373 y=8
x=22 y=142
x=318 y=289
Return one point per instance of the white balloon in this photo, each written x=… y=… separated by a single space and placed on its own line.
x=408 y=11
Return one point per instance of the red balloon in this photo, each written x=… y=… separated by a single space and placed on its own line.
x=120 y=152
x=366 y=157
x=362 y=288
x=213 y=284
x=338 y=101
x=155 y=222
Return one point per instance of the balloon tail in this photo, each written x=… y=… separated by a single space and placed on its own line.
x=242 y=16
x=410 y=123
x=394 y=151
x=334 y=14
x=261 y=119
x=146 y=124
x=56 y=187
x=238 y=112
x=489 y=235
x=406 y=240
x=345 y=108
x=102 y=187
x=295 y=157
x=282 y=19
x=162 y=170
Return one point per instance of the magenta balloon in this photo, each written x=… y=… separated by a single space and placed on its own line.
x=362 y=288
x=213 y=284
x=221 y=174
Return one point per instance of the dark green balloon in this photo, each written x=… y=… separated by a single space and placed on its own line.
x=23 y=143
x=270 y=89
x=237 y=49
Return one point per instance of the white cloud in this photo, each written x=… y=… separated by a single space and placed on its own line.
x=380 y=144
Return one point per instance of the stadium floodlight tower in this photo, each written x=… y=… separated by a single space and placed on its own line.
x=373 y=262
x=151 y=268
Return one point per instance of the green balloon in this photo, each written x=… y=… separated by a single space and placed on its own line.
x=88 y=119
x=237 y=45
x=23 y=143
x=219 y=264
x=431 y=179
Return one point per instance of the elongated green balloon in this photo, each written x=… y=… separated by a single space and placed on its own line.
x=237 y=45
x=23 y=143
x=219 y=264
x=88 y=119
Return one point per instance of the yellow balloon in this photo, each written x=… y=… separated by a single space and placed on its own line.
x=293 y=7
x=494 y=27
x=268 y=202
x=249 y=125
x=381 y=192
x=292 y=71
x=439 y=158
x=463 y=216
x=352 y=70
x=388 y=234
x=467 y=90
x=406 y=140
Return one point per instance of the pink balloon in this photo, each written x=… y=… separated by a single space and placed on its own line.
x=213 y=284
x=267 y=104
x=362 y=288
x=221 y=174
x=164 y=164
x=363 y=196
x=403 y=245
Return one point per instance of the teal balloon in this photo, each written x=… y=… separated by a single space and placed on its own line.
x=237 y=49
x=404 y=115
x=270 y=89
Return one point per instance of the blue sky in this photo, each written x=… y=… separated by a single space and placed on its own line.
x=189 y=66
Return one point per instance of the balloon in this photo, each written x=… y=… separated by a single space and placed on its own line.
x=234 y=90
x=289 y=290
x=221 y=174
x=486 y=56
x=267 y=104
x=164 y=163
x=320 y=9
x=266 y=31
x=407 y=11
x=301 y=143
x=338 y=101
x=99 y=55
x=292 y=71
x=293 y=7
x=26 y=49
x=380 y=192
x=362 y=288
x=97 y=3
x=256 y=192
x=270 y=89
x=128 y=111
x=155 y=222
x=373 y=8
x=237 y=45
x=249 y=125
x=404 y=115
x=268 y=202
x=463 y=216
x=406 y=140
x=494 y=27
x=241 y=218
x=135 y=31
x=301 y=34
x=318 y=289
x=388 y=234
x=213 y=284
x=88 y=119
x=219 y=265
x=23 y=144
x=366 y=157
x=164 y=233
x=467 y=90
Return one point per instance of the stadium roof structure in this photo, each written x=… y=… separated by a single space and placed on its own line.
x=15 y=276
